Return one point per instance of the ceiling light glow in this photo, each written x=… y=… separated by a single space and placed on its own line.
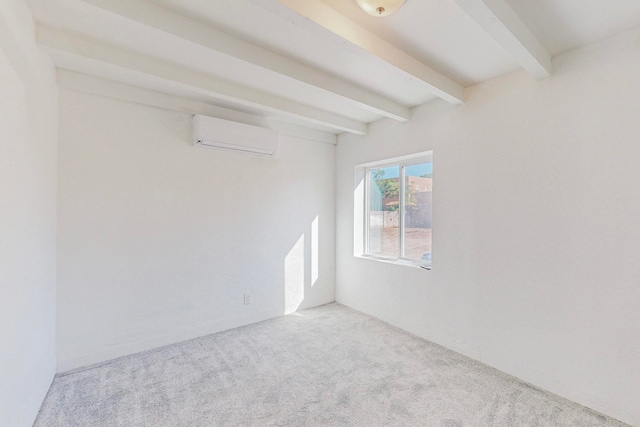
x=380 y=8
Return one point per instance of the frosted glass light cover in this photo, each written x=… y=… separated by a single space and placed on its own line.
x=380 y=7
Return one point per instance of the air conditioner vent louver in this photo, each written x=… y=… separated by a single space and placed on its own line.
x=226 y=135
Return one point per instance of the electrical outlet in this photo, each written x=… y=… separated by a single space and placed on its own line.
x=247 y=298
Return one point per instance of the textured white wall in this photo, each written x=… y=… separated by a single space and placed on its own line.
x=28 y=138
x=159 y=240
x=536 y=237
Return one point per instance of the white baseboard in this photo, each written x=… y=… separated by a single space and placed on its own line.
x=105 y=355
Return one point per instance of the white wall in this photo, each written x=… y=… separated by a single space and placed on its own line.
x=28 y=137
x=536 y=241
x=159 y=240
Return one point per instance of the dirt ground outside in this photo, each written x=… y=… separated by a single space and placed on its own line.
x=384 y=242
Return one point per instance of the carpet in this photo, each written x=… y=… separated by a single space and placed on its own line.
x=326 y=366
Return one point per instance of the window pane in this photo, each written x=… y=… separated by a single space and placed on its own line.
x=383 y=212
x=417 y=215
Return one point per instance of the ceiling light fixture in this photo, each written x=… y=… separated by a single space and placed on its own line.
x=380 y=7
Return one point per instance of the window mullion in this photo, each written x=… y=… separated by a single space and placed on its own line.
x=401 y=202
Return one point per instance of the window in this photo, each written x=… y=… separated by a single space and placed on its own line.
x=397 y=217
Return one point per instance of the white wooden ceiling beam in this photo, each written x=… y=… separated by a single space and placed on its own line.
x=160 y=18
x=93 y=50
x=321 y=14
x=501 y=22
x=85 y=83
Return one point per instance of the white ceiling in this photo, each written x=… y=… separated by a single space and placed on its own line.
x=563 y=25
x=322 y=65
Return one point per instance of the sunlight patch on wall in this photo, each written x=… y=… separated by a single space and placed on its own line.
x=294 y=277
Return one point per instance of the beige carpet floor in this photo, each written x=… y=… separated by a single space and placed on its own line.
x=326 y=366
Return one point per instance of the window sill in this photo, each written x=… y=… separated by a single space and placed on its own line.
x=397 y=261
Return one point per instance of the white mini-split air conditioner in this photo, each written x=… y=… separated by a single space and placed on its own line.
x=226 y=135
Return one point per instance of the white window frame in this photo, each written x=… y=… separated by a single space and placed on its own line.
x=402 y=163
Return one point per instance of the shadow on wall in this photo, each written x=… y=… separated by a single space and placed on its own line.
x=297 y=272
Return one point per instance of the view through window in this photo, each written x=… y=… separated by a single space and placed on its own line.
x=398 y=217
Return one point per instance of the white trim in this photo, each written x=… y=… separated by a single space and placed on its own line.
x=183 y=333
x=396 y=261
x=401 y=208
x=408 y=159
x=367 y=207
